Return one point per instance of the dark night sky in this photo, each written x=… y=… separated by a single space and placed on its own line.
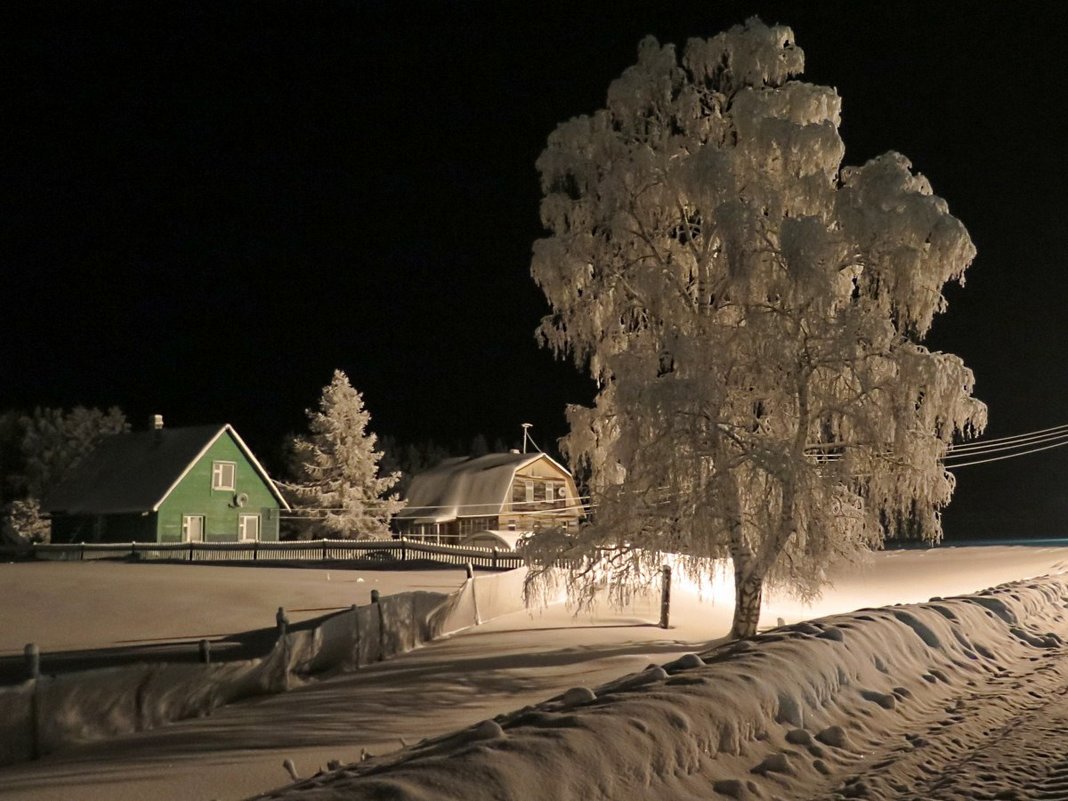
x=205 y=211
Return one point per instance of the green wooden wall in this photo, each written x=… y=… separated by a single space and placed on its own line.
x=194 y=496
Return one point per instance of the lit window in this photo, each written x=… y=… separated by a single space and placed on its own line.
x=248 y=527
x=222 y=475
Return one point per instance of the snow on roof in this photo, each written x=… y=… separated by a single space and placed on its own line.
x=471 y=486
x=136 y=471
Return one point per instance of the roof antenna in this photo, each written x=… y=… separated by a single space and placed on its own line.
x=526 y=436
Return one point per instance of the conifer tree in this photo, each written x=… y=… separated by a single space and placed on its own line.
x=335 y=469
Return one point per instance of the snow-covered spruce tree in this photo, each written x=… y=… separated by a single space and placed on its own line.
x=752 y=313
x=335 y=469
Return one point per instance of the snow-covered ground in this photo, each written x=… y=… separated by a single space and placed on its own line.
x=524 y=659
x=65 y=606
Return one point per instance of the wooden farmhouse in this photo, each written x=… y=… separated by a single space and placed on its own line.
x=490 y=500
x=193 y=484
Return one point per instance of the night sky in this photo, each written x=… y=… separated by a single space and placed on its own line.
x=205 y=211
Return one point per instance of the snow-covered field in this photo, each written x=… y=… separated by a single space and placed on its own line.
x=654 y=741
x=65 y=606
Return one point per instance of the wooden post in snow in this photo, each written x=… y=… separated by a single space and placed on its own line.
x=355 y=612
x=665 y=595
x=376 y=599
x=33 y=660
x=282 y=622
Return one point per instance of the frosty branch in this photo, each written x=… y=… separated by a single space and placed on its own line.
x=739 y=296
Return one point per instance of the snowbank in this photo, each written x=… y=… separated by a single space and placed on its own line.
x=785 y=714
x=53 y=712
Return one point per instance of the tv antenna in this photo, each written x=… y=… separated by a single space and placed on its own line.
x=526 y=434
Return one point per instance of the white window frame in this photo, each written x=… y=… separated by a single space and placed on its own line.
x=186 y=519
x=242 y=528
x=218 y=475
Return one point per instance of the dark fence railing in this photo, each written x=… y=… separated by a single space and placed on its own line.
x=381 y=551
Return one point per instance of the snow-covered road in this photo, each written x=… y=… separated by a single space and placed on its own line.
x=1005 y=738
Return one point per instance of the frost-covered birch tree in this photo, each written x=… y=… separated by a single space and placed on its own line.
x=752 y=312
x=335 y=468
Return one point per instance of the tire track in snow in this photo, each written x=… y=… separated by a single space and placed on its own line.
x=1005 y=739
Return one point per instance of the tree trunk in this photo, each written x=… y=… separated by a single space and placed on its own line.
x=748 y=593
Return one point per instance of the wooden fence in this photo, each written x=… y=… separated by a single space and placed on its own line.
x=371 y=551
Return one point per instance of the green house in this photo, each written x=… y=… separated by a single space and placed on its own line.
x=194 y=484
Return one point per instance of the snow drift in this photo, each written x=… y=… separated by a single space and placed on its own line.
x=785 y=714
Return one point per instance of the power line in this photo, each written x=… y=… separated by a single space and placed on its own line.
x=1028 y=447
x=1007 y=456
x=980 y=443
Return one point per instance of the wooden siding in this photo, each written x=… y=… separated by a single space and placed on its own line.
x=518 y=515
x=195 y=496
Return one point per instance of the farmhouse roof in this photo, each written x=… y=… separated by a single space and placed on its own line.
x=136 y=471
x=465 y=486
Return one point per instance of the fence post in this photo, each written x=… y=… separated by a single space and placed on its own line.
x=255 y=550
x=282 y=622
x=81 y=553
x=404 y=550
x=665 y=595
x=190 y=550
x=205 y=652
x=355 y=612
x=324 y=549
x=33 y=660
x=33 y=668
x=133 y=549
x=470 y=570
x=376 y=599
x=494 y=558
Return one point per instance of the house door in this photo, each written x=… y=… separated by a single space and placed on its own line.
x=193 y=528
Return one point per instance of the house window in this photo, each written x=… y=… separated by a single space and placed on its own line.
x=522 y=495
x=248 y=527
x=222 y=475
x=472 y=525
x=193 y=528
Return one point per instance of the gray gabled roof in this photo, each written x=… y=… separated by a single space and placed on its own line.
x=465 y=486
x=135 y=472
